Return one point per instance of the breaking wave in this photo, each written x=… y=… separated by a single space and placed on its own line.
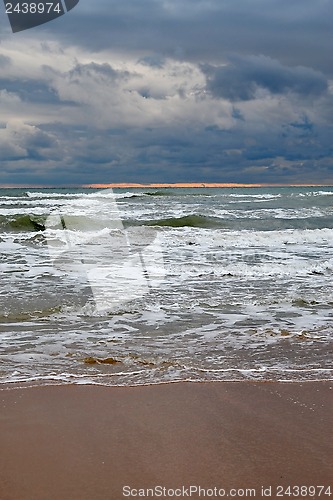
x=22 y=223
x=192 y=220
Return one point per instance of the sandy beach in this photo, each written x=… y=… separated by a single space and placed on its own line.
x=88 y=442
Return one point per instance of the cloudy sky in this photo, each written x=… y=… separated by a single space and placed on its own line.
x=169 y=91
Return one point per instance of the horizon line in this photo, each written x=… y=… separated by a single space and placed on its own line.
x=120 y=185
x=199 y=185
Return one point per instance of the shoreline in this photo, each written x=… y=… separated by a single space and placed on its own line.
x=23 y=385
x=80 y=442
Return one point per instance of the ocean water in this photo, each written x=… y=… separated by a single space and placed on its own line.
x=143 y=286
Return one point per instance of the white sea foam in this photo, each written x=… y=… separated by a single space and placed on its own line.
x=265 y=196
x=107 y=193
x=235 y=303
x=320 y=193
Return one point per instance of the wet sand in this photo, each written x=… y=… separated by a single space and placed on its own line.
x=88 y=442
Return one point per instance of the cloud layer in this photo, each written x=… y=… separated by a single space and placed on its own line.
x=244 y=78
x=169 y=91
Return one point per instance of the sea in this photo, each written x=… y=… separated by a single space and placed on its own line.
x=143 y=286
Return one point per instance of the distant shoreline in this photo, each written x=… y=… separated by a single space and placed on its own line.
x=128 y=185
x=197 y=185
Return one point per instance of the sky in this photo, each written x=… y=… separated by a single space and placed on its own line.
x=169 y=91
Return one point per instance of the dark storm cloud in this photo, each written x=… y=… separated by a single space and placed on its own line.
x=96 y=70
x=296 y=33
x=19 y=141
x=30 y=90
x=170 y=91
x=283 y=153
x=98 y=73
x=242 y=77
x=4 y=61
x=154 y=60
